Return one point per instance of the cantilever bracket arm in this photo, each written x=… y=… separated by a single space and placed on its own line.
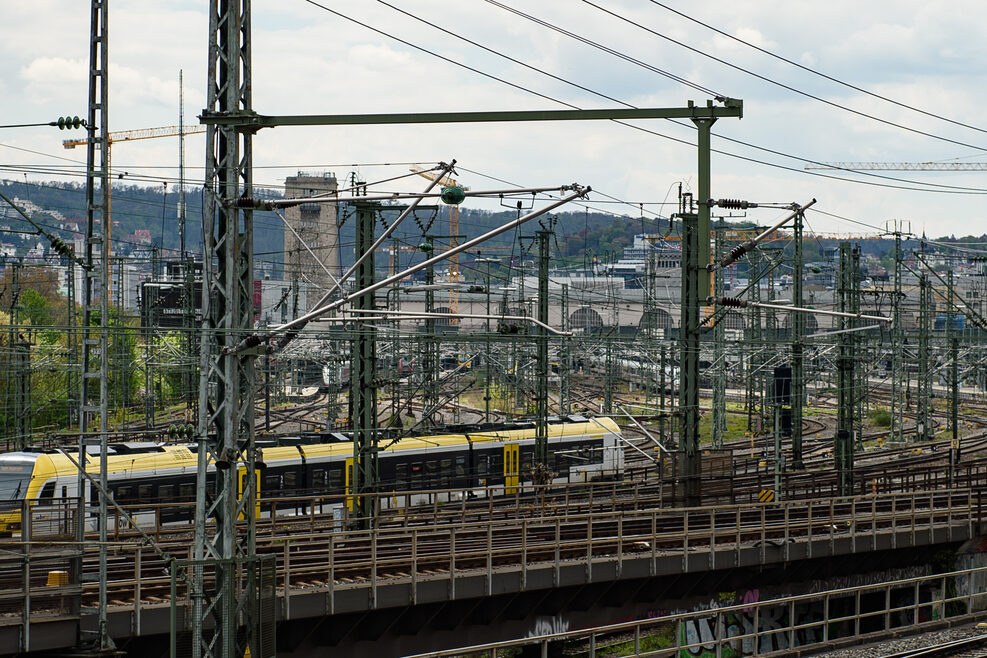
x=740 y=250
x=254 y=340
x=737 y=302
x=252 y=122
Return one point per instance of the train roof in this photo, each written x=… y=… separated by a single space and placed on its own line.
x=144 y=456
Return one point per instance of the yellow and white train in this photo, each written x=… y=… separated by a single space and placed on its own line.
x=489 y=461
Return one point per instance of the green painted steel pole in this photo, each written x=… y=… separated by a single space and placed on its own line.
x=797 y=323
x=363 y=370
x=541 y=402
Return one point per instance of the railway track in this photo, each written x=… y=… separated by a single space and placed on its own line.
x=968 y=647
x=334 y=558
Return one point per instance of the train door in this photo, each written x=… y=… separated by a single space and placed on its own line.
x=242 y=486
x=349 y=483
x=511 y=459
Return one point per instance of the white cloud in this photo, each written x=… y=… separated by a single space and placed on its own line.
x=53 y=79
x=925 y=53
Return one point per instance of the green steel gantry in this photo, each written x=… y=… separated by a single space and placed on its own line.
x=542 y=466
x=843 y=445
x=924 y=420
x=363 y=473
x=719 y=374
x=226 y=400
x=797 y=324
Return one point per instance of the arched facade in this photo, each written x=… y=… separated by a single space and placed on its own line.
x=659 y=319
x=585 y=318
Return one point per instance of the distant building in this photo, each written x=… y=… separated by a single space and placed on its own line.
x=316 y=226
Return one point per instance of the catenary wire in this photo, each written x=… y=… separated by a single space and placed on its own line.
x=947 y=189
x=818 y=73
x=781 y=84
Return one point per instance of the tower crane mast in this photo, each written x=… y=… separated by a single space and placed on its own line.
x=129 y=136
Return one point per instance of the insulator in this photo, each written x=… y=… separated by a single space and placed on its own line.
x=246 y=202
x=731 y=302
x=60 y=248
x=735 y=204
x=737 y=252
x=69 y=123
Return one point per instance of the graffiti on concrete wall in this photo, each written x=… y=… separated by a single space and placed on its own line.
x=736 y=627
x=549 y=626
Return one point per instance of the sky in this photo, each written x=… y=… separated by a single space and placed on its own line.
x=927 y=55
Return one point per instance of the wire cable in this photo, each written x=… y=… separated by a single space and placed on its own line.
x=779 y=84
x=932 y=187
x=818 y=73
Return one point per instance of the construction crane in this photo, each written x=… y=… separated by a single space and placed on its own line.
x=445 y=181
x=140 y=133
x=393 y=257
x=902 y=166
x=130 y=136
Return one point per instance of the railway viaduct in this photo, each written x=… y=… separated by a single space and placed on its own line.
x=462 y=573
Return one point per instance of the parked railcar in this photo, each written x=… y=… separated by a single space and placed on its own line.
x=492 y=460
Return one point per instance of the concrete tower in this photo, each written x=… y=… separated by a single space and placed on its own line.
x=316 y=225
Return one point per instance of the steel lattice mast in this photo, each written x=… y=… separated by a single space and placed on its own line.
x=226 y=432
x=93 y=394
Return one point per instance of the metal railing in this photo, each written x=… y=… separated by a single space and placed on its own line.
x=601 y=544
x=776 y=626
x=39 y=579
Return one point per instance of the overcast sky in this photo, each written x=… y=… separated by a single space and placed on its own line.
x=926 y=54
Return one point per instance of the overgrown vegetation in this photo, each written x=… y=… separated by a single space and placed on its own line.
x=55 y=343
x=880 y=417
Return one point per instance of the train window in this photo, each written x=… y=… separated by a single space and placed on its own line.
x=481 y=465
x=335 y=480
x=319 y=478
x=47 y=493
x=166 y=492
x=445 y=474
x=290 y=481
x=186 y=492
x=460 y=466
x=416 y=475
x=272 y=483
x=145 y=492
x=400 y=475
x=526 y=460
x=124 y=494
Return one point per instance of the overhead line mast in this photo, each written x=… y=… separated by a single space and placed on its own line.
x=94 y=391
